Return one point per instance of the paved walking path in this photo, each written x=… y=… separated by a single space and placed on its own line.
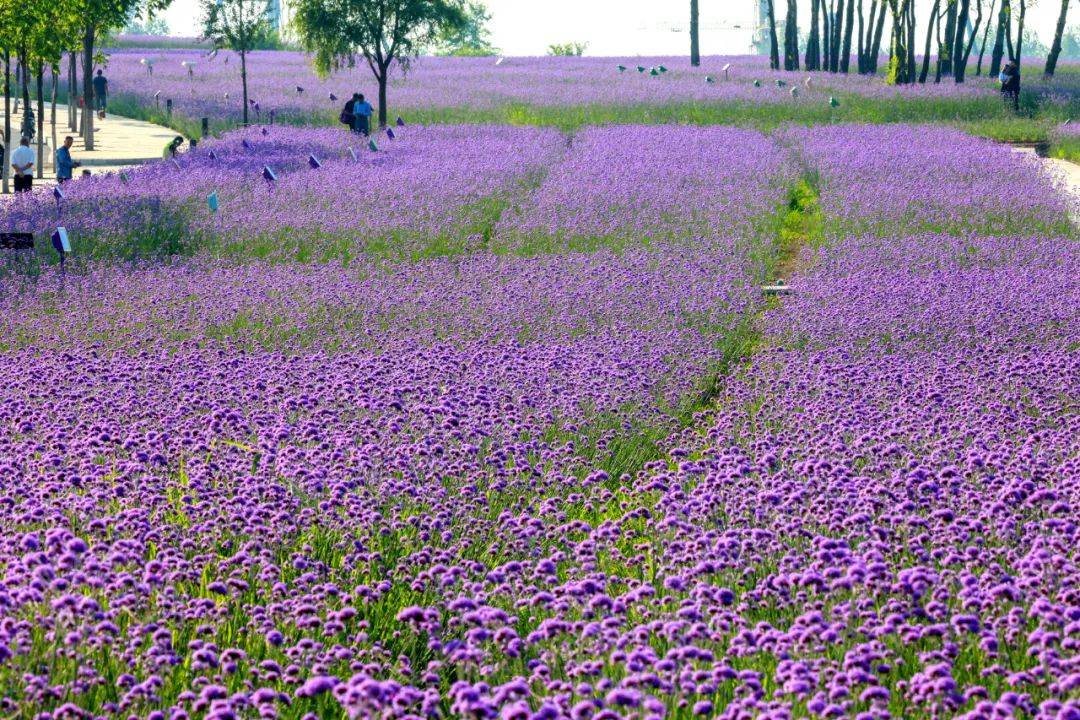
x=119 y=142
x=1068 y=172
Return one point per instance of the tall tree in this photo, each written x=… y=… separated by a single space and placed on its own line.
x=1055 y=47
x=986 y=36
x=1004 y=14
x=383 y=33
x=473 y=39
x=826 y=35
x=695 y=47
x=963 y=46
x=1018 y=56
x=774 y=45
x=946 y=47
x=957 y=39
x=845 y=48
x=791 y=36
x=236 y=25
x=834 y=35
x=875 y=28
x=813 y=42
x=929 y=38
x=860 y=54
x=899 y=46
x=98 y=17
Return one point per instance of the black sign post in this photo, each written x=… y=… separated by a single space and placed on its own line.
x=16 y=241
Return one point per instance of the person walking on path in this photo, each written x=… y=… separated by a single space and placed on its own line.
x=101 y=94
x=64 y=164
x=1010 y=85
x=362 y=111
x=22 y=162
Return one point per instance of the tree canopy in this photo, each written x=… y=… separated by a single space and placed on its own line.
x=383 y=33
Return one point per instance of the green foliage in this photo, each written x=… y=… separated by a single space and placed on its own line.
x=471 y=39
x=570 y=49
x=140 y=25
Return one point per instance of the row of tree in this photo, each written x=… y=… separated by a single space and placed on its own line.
x=37 y=35
x=953 y=30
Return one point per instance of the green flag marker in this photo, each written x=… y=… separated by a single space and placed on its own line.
x=662 y=68
x=757 y=83
x=372 y=146
x=833 y=102
x=212 y=202
x=709 y=80
x=654 y=72
x=641 y=68
x=622 y=68
x=780 y=83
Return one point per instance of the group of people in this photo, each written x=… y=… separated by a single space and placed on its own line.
x=357 y=114
x=24 y=161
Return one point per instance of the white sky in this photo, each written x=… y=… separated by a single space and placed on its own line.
x=628 y=27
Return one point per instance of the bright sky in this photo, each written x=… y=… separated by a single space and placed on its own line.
x=626 y=27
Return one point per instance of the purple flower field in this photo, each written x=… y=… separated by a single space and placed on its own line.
x=473 y=85
x=495 y=423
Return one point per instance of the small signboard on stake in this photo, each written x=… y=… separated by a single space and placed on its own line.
x=352 y=154
x=314 y=162
x=212 y=201
x=61 y=244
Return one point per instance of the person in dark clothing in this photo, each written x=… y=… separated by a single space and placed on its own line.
x=1010 y=85
x=101 y=93
x=347 y=117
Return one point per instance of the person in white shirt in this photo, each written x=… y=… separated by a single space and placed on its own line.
x=22 y=162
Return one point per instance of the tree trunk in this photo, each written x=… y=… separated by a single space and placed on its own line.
x=40 y=120
x=72 y=91
x=879 y=32
x=845 y=48
x=966 y=48
x=911 y=41
x=7 y=120
x=55 y=82
x=1055 y=48
x=837 y=29
x=999 y=39
x=929 y=38
x=24 y=86
x=1009 y=36
x=986 y=36
x=826 y=35
x=384 y=75
x=898 y=55
x=860 y=59
x=774 y=44
x=791 y=36
x=243 y=81
x=813 y=42
x=695 y=48
x=959 y=43
x=946 y=52
x=1020 y=35
x=88 y=87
